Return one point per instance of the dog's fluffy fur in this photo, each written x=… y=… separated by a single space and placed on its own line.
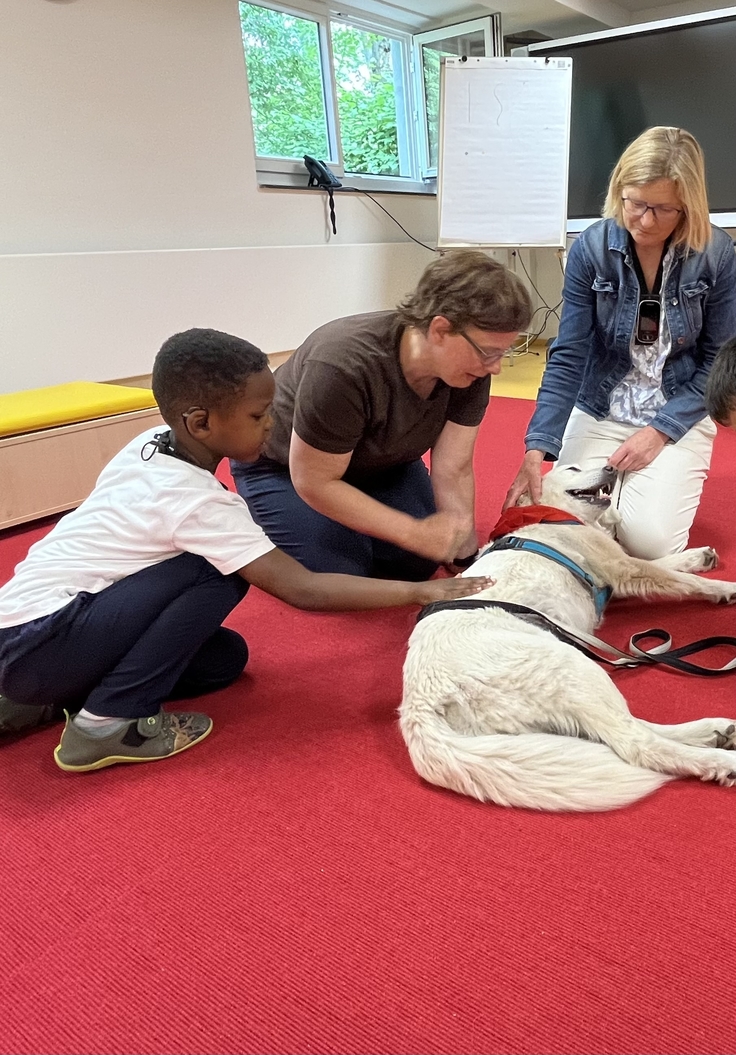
x=496 y=708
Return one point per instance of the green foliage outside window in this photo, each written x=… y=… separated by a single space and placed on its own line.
x=366 y=100
x=285 y=80
x=282 y=54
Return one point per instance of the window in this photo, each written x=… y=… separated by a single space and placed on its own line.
x=474 y=39
x=370 y=87
x=349 y=93
x=287 y=89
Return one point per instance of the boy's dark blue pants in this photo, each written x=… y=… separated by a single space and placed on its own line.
x=321 y=544
x=153 y=636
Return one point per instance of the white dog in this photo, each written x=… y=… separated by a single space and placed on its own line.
x=501 y=709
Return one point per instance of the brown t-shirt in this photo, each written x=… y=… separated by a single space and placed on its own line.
x=344 y=390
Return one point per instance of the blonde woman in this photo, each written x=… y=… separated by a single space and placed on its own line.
x=649 y=297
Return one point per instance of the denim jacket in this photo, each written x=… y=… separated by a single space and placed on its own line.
x=591 y=356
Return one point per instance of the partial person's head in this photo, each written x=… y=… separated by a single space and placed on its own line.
x=472 y=309
x=657 y=190
x=720 y=389
x=216 y=390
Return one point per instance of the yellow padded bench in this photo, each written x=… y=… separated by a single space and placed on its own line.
x=45 y=408
x=55 y=441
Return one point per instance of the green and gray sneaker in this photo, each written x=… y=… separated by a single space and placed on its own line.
x=140 y=740
x=15 y=717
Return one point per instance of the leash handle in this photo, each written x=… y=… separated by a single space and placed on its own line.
x=674 y=657
x=660 y=654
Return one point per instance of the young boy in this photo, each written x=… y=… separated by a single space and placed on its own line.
x=120 y=606
x=720 y=389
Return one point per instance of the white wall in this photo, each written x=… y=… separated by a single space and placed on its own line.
x=130 y=207
x=125 y=132
x=98 y=316
x=125 y=125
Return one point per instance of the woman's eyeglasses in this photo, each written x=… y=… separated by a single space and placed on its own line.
x=636 y=208
x=486 y=357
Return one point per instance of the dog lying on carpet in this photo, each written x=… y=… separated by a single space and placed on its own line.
x=501 y=709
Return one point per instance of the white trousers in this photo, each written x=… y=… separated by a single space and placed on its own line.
x=658 y=503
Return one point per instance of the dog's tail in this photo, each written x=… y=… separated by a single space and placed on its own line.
x=540 y=771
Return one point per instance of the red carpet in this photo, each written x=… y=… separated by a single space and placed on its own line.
x=291 y=886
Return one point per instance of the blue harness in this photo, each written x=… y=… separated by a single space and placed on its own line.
x=601 y=594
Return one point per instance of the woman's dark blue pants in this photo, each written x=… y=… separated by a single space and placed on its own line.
x=321 y=544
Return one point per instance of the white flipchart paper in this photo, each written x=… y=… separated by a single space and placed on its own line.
x=504 y=151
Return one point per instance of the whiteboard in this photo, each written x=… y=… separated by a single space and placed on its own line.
x=504 y=148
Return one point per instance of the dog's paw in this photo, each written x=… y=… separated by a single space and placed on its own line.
x=708 y=556
x=725 y=592
x=727 y=778
x=717 y=765
x=725 y=738
x=703 y=558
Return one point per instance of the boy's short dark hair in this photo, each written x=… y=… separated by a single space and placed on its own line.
x=202 y=368
x=468 y=288
x=720 y=390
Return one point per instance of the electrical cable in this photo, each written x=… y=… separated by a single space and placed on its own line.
x=549 y=309
x=530 y=338
x=531 y=281
x=358 y=190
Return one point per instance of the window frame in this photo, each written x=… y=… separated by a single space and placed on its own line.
x=405 y=127
x=290 y=172
x=491 y=26
x=285 y=170
x=411 y=130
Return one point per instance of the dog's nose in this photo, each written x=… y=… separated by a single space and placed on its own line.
x=610 y=469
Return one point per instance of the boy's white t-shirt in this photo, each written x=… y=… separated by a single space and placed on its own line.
x=139 y=514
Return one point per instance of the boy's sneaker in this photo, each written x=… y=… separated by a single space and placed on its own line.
x=140 y=740
x=15 y=717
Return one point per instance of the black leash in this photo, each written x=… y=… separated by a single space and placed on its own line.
x=594 y=648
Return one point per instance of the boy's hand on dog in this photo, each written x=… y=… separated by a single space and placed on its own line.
x=528 y=480
x=451 y=589
x=639 y=450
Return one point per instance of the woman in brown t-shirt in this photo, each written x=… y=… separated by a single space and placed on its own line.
x=341 y=484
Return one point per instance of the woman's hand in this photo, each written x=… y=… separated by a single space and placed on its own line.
x=528 y=480
x=639 y=450
x=438 y=537
x=318 y=480
x=451 y=589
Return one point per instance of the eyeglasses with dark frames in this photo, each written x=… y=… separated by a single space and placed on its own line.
x=636 y=208
x=485 y=356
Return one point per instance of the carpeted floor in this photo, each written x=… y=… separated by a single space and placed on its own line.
x=291 y=886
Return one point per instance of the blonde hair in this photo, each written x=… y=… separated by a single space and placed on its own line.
x=671 y=154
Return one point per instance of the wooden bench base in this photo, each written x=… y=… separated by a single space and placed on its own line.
x=53 y=470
